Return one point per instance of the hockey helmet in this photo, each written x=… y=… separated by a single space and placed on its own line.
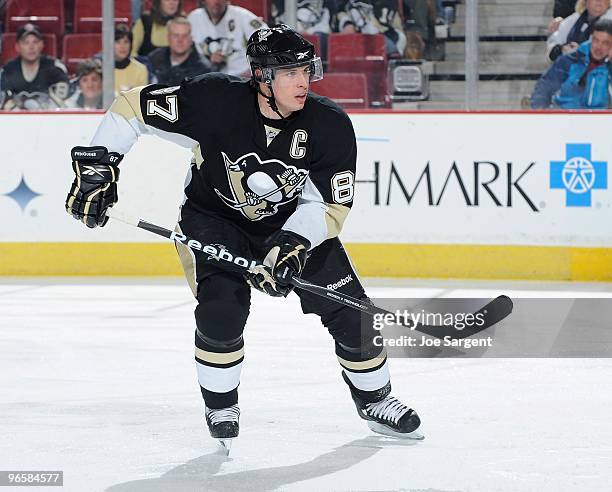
x=279 y=46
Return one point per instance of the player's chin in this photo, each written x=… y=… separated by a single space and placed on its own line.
x=299 y=101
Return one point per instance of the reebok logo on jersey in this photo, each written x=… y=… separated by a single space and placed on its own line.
x=302 y=55
x=341 y=283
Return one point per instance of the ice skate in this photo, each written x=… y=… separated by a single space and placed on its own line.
x=223 y=425
x=385 y=414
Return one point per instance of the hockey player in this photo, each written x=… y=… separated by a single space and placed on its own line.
x=272 y=177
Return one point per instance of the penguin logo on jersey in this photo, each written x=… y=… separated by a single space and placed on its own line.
x=213 y=45
x=260 y=187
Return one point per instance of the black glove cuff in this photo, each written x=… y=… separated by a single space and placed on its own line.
x=97 y=153
x=112 y=158
x=289 y=237
x=88 y=154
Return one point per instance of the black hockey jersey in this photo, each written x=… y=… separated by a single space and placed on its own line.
x=263 y=175
x=51 y=78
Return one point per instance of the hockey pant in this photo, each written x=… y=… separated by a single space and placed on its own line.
x=224 y=301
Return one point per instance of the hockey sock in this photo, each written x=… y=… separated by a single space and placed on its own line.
x=368 y=380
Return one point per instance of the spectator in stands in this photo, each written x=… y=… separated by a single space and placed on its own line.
x=129 y=72
x=180 y=59
x=564 y=8
x=313 y=17
x=32 y=80
x=420 y=24
x=374 y=17
x=150 y=31
x=579 y=80
x=220 y=32
x=89 y=91
x=577 y=28
x=136 y=10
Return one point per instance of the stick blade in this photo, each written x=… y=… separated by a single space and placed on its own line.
x=492 y=313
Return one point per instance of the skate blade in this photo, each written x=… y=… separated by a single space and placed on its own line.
x=415 y=435
x=225 y=445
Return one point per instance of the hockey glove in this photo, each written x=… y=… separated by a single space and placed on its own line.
x=95 y=187
x=285 y=260
x=261 y=279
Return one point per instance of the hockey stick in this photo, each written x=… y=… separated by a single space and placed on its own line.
x=492 y=313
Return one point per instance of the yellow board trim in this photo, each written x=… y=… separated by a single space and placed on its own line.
x=482 y=261
x=89 y=259
x=372 y=260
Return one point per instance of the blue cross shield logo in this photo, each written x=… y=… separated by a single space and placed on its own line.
x=578 y=175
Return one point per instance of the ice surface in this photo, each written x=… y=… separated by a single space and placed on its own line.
x=98 y=379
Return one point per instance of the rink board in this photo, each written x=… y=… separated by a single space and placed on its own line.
x=437 y=195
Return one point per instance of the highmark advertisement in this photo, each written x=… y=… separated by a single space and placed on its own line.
x=520 y=179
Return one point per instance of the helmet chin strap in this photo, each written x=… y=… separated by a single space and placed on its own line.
x=270 y=99
x=272 y=102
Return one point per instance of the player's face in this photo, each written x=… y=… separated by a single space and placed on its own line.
x=169 y=7
x=122 y=49
x=30 y=48
x=179 y=38
x=291 y=88
x=601 y=44
x=91 y=85
x=597 y=8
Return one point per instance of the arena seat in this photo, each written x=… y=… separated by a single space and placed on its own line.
x=88 y=15
x=48 y=15
x=260 y=8
x=8 y=46
x=345 y=49
x=349 y=90
x=69 y=13
x=188 y=5
x=78 y=47
x=361 y=53
x=315 y=40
